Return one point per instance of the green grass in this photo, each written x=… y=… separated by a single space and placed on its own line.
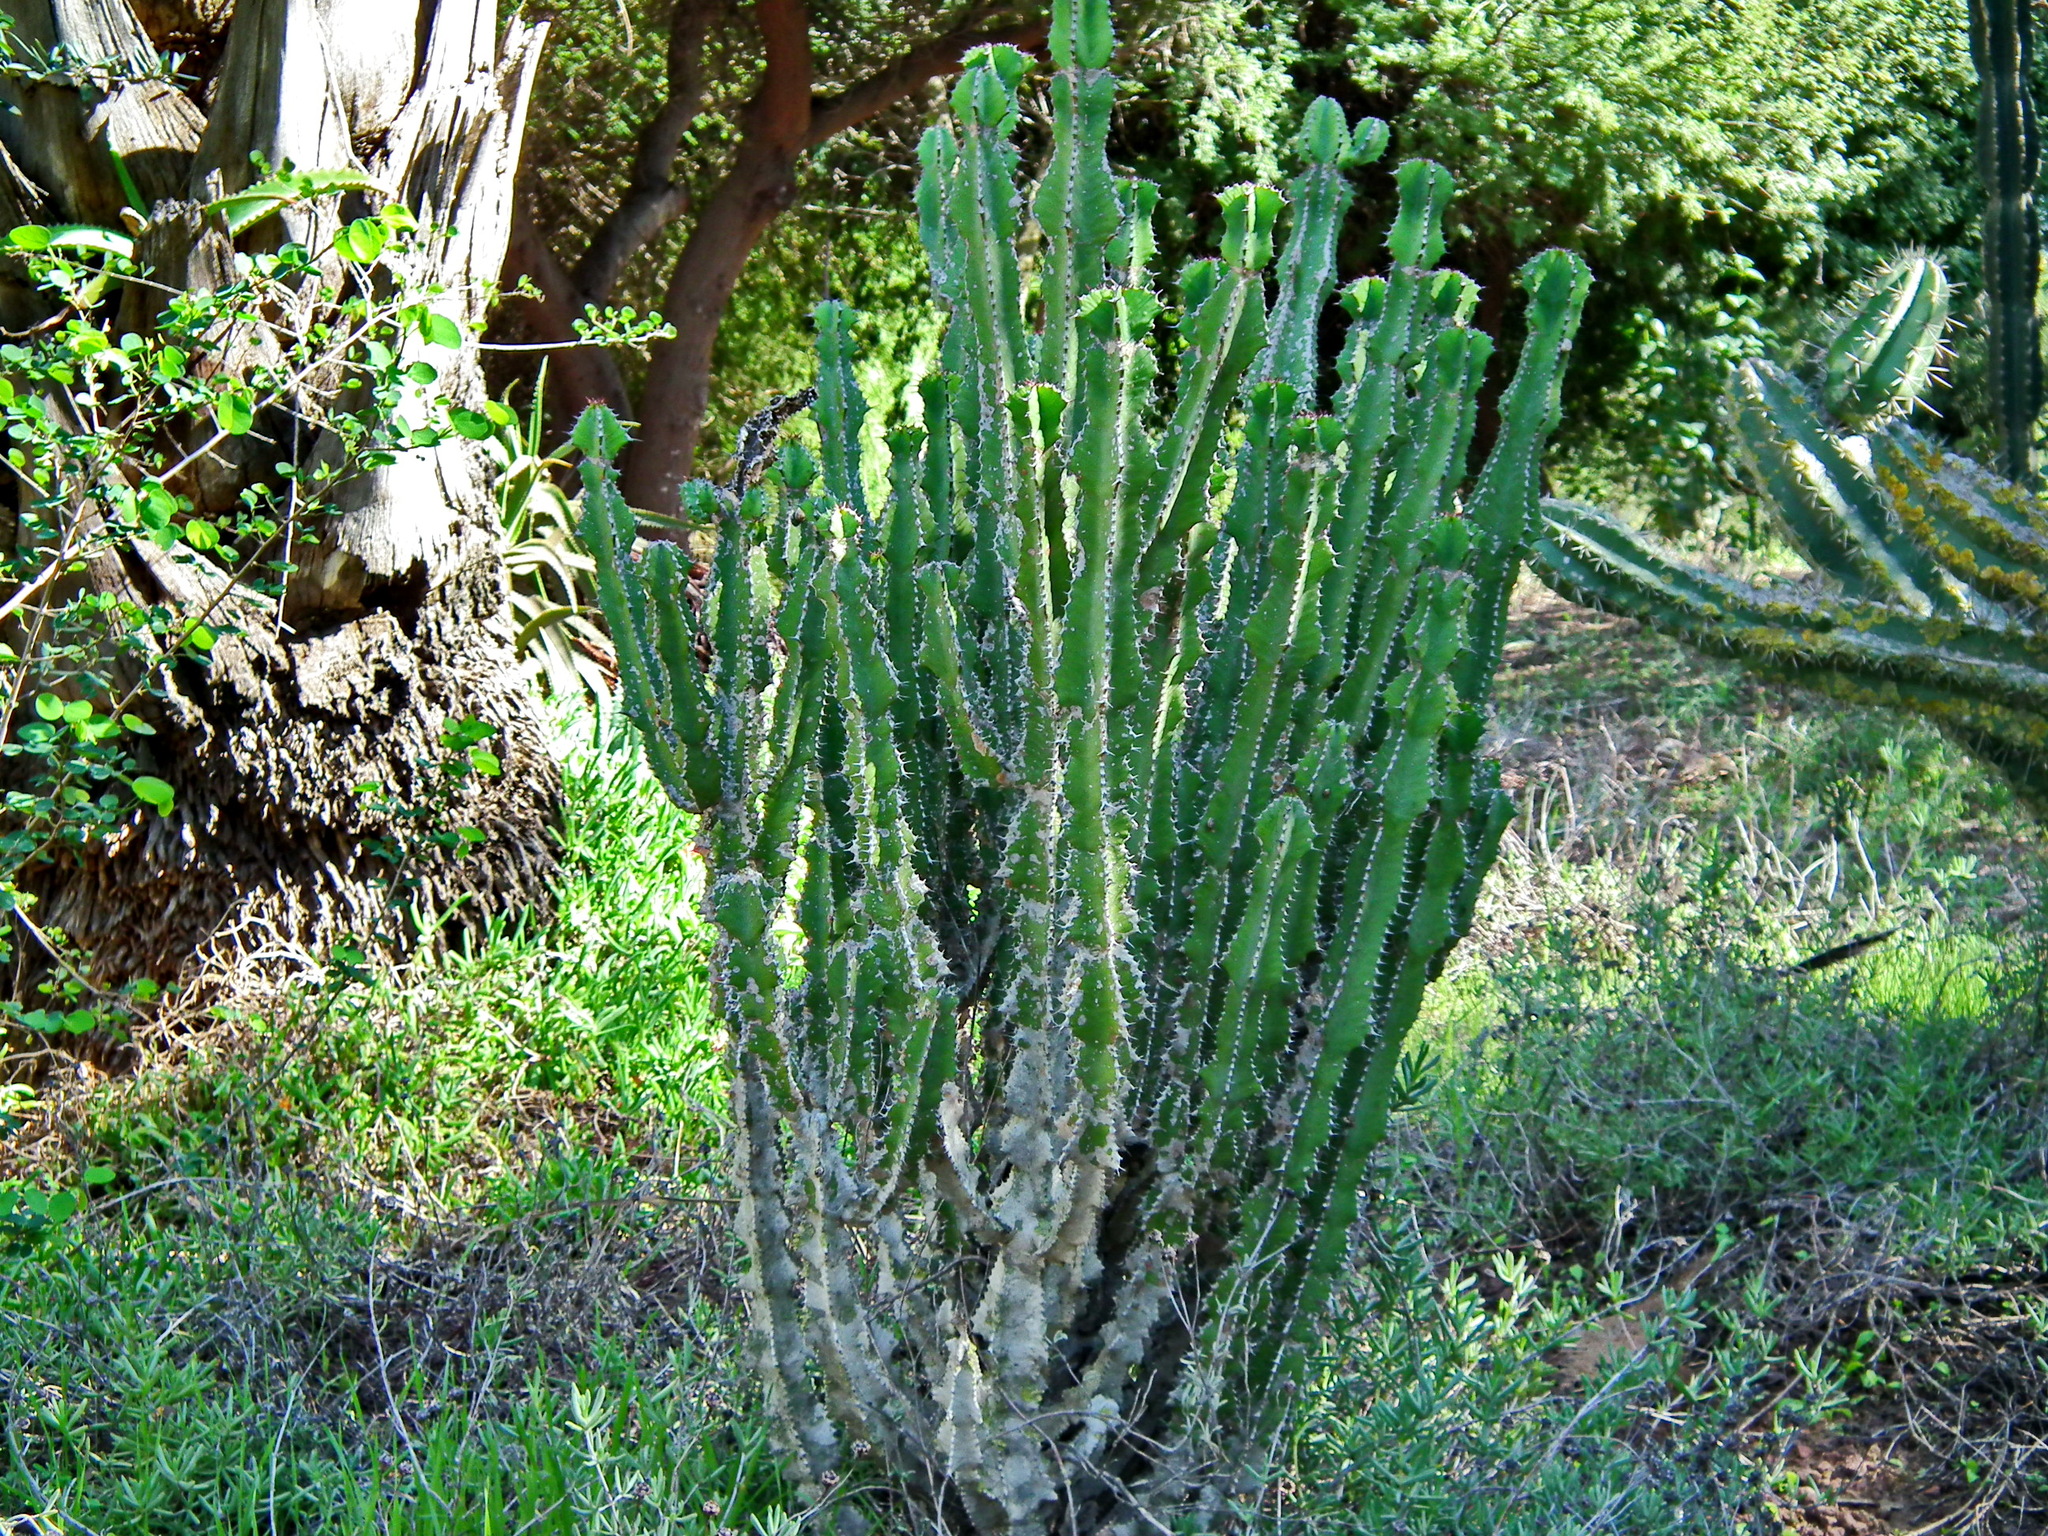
x=434 y=1251
x=435 y=1078
x=443 y=1250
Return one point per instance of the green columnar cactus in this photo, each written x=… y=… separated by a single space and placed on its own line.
x=1087 y=810
x=1937 y=570
x=2009 y=164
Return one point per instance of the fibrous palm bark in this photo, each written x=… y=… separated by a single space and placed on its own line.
x=394 y=621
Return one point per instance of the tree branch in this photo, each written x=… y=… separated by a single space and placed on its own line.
x=926 y=61
x=653 y=198
x=779 y=116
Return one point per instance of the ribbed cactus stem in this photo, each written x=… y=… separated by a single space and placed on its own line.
x=2009 y=165
x=1081 y=840
x=1882 y=359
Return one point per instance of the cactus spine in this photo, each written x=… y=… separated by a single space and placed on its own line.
x=1086 y=816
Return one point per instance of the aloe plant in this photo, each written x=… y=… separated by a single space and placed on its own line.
x=1089 y=793
x=1930 y=587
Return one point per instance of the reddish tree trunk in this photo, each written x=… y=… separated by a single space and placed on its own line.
x=678 y=388
x=781 y=123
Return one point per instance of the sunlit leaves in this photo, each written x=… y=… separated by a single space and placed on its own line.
x=235 y=412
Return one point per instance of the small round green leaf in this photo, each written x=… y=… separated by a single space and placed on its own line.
x=235 y=412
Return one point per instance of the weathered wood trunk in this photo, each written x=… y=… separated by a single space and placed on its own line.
x=396 y=620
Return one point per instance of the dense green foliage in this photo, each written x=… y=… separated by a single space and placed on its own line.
x=1724 y=168
x=125 y=442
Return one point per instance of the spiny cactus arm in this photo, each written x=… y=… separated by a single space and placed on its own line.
x=1223 y=323
x=1134 y=678
x=772 y=1284
x=1369 y=406
x=1598 y=561
x=1832 y=509
x=1390 y=876
x=1014 y=1307
x=1261 y=974
x=840 y=406
x=1245 y=709
x=1394 y=312
x=1077 y=205
x=1502 y=508
x=1881 y=359
x=1284 y=1217
x=2009 y=165
x=1081 y=685
x=1035 y=414
x=1288 y=618
x=1340 y=1178
x=799 y=701
x=1404 y=770
x=1081 y=669
x=1258 y=498
x=1492 y=809
x=1220 y=714
x=736 y=623
x=939 y=656
x=1595 y=560
x=822 y=907
x=935 y=393
x=1136 y=244
x=929 y=777
x=669 y=707
x=981 y=206
x=938 y=158
x=897 y=984
x=1987 y=532
x=1379 y=356
x=1390 y=333
x=693 y=709
x=1451 y=378
x=842 y=1334
x=1320 y=197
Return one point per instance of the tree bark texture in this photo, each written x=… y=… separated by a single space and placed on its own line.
x=396 y=619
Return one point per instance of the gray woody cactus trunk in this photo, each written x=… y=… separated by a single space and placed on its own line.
x=1133 y=813
x=395 y=621
x=1933 y=589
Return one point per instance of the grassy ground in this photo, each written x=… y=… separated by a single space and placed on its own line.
x=1684 y=1238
